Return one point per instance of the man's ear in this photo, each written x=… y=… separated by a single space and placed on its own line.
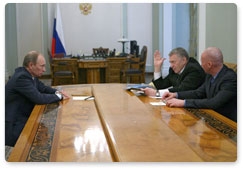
x=210 y=64
x=30 y=65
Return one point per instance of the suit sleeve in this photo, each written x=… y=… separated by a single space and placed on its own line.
x=190 y=80
x=25 y=86
x=43 y=88
x=223 y=93
x=161 y=83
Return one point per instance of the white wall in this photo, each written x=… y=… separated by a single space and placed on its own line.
x=221 y=30
x=218 y=27
x=102 y=27
x=139 y=25
x=29 y=32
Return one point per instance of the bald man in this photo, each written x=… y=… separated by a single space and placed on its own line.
x=218 y=92
x=23 y=91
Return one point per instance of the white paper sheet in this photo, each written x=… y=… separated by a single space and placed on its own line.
x=158 y=103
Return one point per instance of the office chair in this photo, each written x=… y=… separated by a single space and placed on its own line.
x=63 y=70
x=100 y=51
x=135 y=68
x=232 y=66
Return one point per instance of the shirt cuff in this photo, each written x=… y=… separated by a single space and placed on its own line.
x=161 y=92
x=58 y=94
x=157 y=75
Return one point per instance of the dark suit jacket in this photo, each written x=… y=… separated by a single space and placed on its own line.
x=221 y=95
x=21 y=95
x=191 y=78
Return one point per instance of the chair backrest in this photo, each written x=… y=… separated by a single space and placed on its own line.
x=143 y=55
x=50 y=59
x=143 y=58
x=64 y=64
x=59 y=55
x=65 y=69
x=231 y=65
x=139 y=62
x=100 y=50
x=135 y=67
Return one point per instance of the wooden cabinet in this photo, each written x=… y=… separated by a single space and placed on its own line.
x=92 y=71
x=113 y=69
x=92 y=63
x=100 y=71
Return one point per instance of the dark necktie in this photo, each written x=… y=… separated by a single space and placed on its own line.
x=212 y=80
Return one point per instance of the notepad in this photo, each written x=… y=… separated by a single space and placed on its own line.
x=158 y=103
x=155 y=97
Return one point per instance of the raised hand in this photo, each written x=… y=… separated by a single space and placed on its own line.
x=158 y=61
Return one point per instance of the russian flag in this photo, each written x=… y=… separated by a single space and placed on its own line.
x=58 y=45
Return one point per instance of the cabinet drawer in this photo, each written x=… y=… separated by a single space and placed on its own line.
x=115 y=66
x=92 y=64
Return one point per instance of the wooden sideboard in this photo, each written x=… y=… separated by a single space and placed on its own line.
x=100 y=70
x=92 y=71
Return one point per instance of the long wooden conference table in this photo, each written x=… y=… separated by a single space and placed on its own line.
x=116 y=125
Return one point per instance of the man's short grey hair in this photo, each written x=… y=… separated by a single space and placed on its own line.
x=30 y=57
x=181 y=52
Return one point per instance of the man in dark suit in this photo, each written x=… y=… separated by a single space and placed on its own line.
x=23 y=91
x=183 y=71
x=218 y=92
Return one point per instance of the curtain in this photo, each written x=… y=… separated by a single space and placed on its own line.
x=193 y=30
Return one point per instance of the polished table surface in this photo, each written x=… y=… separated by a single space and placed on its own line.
x=120 y=126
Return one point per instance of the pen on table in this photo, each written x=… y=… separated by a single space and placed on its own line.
x=76 y=95
x=80 y=95
x=164 y=101
x=88 y=97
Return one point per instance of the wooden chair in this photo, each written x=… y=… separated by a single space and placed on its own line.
x=232 y=66
x=64 y=71
x=114 y=66
x=50 y=57
x=135 y=68
x=100 y=51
